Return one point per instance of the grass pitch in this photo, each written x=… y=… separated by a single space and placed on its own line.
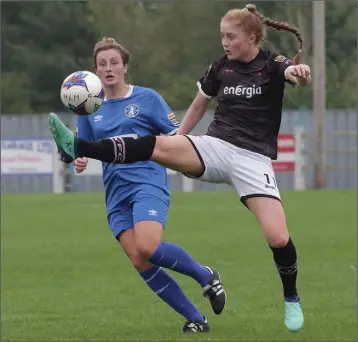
x=64 y=278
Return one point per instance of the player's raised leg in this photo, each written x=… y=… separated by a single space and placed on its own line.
x=174 y=152
x=269 y=213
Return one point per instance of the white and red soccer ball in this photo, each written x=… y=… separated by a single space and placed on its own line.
x=82 y=92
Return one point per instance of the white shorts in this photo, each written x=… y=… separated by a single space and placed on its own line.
x=250 y=173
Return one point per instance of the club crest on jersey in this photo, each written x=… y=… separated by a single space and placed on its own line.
x=280 y=59
x=131 y=111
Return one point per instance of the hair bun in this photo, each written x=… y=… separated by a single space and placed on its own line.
x=109 y=40
x=251 y=8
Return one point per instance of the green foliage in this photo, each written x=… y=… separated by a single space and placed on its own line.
x=341 y=47
x=171 y=43
x=15 y=101
x=44 y=41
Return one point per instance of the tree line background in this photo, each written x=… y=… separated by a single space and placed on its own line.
x=171 y=42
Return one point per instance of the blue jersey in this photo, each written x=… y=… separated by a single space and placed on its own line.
x=142 y=112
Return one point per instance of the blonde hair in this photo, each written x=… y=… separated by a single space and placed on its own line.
x=107 y=43
x=254 y=22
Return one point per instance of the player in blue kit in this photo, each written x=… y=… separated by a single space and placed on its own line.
x=137 y=195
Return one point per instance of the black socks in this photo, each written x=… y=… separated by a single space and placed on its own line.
x=286 y=264
x=117 y=150
x=102 y=150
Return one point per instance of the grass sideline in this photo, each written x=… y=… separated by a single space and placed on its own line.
x=64 y=278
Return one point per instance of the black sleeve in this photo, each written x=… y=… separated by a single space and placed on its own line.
x=278 y=64
x=209 y=84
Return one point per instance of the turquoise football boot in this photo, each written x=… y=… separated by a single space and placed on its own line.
x=63 y=136
x=293 y=314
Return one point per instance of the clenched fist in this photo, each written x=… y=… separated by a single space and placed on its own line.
x=80 y=164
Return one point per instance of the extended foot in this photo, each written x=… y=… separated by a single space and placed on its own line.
x=293 y=314
x=64 y=157
x=215 y=292
x=196 y=326
x=63 y=136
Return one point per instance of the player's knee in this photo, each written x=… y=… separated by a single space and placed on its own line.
x=275 y=232
x=139 y=263
x=148 y=235
x=161 y=150
x=279 y=239
x=145 y=250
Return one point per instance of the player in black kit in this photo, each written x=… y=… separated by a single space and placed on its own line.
x=248 y=84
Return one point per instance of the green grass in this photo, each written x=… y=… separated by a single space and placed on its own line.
x=66 y=279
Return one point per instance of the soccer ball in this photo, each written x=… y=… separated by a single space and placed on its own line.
x=82 y=92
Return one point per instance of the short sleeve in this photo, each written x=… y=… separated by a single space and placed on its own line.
x=209 y=84
x=279 y=64
x=165 y=120
x=83 y=128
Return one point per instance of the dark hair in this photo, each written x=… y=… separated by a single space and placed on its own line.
x=108 y=43
x=252 y=21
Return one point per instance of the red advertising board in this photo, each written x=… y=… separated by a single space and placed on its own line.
x=286 y=153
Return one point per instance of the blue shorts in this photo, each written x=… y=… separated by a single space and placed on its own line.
x=142 y=207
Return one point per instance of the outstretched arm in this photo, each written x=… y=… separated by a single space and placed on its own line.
x=194 y=114
x=208 y=86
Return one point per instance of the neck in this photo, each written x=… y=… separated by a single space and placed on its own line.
x=251 y=55
x=117 y=91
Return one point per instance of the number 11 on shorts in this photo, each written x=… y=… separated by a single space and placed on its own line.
x=268 y=180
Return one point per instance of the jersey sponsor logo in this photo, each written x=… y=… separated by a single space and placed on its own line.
x=240 y=90
x=173 y=119
x=280 y=59
x=131 y=111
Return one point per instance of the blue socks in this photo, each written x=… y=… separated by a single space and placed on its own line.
x=168 y=290
x=174 y=257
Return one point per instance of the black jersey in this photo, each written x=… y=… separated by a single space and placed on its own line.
x=249 y=96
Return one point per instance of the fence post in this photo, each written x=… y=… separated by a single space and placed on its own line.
x=187 y=184
x=319 y=92
x=299 y=180
x=58 y=172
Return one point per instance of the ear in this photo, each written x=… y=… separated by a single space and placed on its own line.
x=252 y=39
x=125 y=68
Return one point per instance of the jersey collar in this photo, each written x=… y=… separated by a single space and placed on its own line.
x=129 y=93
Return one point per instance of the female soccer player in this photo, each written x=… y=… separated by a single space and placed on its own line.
x=248 y=83
x=137 y=195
